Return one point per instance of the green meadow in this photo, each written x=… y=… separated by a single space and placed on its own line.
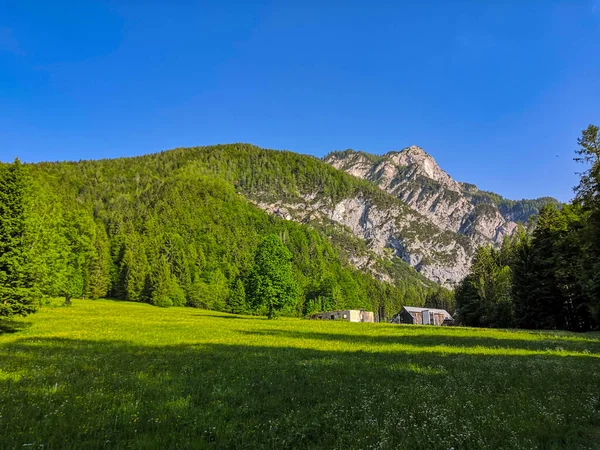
x=107 y=374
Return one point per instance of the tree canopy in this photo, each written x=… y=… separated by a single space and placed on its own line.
x=551 y=278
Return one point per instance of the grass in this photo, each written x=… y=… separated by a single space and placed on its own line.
x=105 y=374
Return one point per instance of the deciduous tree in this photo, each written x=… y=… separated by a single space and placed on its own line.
x=272 y=284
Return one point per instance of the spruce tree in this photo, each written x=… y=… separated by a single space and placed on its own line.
x=236 y=301
x=588 y=196
x=17 y=295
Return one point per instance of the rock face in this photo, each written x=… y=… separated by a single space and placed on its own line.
x=414 y=177
x=391 y=230
x=409 y=209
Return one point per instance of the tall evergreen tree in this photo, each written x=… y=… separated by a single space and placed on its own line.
x=97 y=280
x=588 y=190
x=236 y=301
x=17 y=294
x=588 y=196
x=162 y=284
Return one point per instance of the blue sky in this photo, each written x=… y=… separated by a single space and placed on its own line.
x=496 y=91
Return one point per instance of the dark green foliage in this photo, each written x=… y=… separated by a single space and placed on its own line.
x=515 y=210
x=17 y=294
x=522 y=210
x=532 y=281
x=548 y=280
x=271 y=284
x=98 y=273
x=588 y=190
x=440 y=298
x=351 y=154
x=588 y=197
x=483 y=297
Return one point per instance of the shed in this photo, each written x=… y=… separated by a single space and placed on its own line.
x=350 y=315
x=421 y=316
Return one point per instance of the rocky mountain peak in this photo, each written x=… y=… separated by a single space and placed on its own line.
x=415 y=151
x=421 y=163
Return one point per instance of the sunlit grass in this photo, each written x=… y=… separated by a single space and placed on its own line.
x=104 y=374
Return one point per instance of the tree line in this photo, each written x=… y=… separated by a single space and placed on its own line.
x=547 y=279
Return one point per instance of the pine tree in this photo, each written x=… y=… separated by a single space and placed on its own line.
x=98 y=280
x=78 y=230
x=236 y=302
x=588 y=190
x=219 y=290
x=161 y=284
x=17 y=294
x=588 y=196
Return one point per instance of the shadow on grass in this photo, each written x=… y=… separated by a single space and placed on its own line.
x=12 y=326
x=586 y=348
x=63 y=393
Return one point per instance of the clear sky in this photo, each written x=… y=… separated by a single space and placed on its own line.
x=497 y=91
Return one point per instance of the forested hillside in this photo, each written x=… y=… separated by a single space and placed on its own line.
x=177 y=228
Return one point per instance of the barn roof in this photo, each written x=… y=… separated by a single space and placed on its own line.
x=413 y=309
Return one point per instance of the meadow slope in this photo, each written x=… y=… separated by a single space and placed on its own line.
x=107 y=374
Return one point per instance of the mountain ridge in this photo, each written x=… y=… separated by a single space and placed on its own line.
x=413 y=176
x=380 y=230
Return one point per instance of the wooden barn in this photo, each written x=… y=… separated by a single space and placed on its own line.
x=350 y=315
x=422 y=316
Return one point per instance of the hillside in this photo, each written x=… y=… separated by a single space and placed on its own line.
x=185 y=223
x=105 y=374
x=304 y=189
x=413 y=176
x=188 y=221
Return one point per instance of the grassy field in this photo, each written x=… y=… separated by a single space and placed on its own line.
x=106 y=374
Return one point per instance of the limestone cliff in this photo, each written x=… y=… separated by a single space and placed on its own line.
x=402 y=205
x=414 y=177
x=390 y=229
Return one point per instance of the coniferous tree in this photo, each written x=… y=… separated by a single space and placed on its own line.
x=17 y=294
x=524 y=277
x=98 y=273
x=588 y=196
x=549 y=308
x=218 y=289
x=440 y=298
x=236 y=301
x=161 y=284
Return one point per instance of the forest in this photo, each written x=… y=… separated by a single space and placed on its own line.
x=177 y=228
x=549 y=278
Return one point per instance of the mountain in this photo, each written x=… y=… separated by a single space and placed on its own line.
x=181 y=227
x=307 y=190
x=414 y=177
x=366 y=231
